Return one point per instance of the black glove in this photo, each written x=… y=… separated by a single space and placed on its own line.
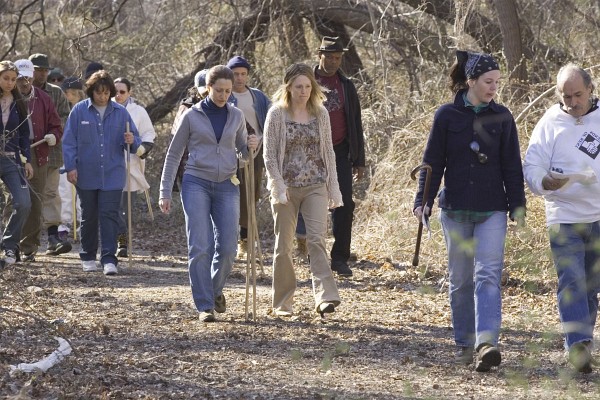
x=147 y=147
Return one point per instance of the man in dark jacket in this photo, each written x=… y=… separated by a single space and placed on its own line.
x=348 y=143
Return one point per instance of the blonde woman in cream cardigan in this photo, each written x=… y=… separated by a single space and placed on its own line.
x=301 y=173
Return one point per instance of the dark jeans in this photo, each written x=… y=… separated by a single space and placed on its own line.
x=99 y=208
x=12 y=175
x=123 y=219
x=342 y=217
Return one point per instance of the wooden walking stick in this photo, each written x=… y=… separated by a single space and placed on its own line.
x=74 y=201
x=148 y=202
x=37 y=143
x=129 y=241
x=413 y=175
x=251 y=240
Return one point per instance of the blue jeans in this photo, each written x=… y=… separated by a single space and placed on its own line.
x=99 y=207
x=212 y=212
x=14 y=179
x=575 y=252
x=475 y=261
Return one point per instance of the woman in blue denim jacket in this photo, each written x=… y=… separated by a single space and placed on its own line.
x=95 y=137
x=473 y=145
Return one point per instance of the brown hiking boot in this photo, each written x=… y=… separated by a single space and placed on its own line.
x=488 y=356
x=581 y=357
x=464 y=355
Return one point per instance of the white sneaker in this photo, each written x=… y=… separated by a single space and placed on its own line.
x=110 y=269
x=89 y=266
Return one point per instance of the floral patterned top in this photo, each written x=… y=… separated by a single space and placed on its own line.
x=302 y=162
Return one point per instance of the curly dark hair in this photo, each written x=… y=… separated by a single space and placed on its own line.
x=98 y=80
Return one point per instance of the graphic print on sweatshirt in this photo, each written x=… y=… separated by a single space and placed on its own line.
x=589 y=144
x=334 y=101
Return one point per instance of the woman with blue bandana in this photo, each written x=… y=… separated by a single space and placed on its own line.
x=473 y=145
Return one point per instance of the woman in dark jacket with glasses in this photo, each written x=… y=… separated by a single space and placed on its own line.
x=474 y=145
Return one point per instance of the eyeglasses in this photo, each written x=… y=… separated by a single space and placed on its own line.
x=121 y=91
x=24 y=79
x=481 y=157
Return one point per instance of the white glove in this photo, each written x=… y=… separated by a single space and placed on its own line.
x=140 y=151
x=50 y=139
x=282 y=198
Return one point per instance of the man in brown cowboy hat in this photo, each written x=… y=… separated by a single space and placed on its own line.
x=348 y=143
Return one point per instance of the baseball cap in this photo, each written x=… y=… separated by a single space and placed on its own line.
x=25 y=68
x=72 y=82
x=200 y=79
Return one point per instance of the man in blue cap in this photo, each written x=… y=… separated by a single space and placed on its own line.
x=255 y=104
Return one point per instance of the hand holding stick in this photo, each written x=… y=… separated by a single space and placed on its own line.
x=31 y=146
x=413 y=175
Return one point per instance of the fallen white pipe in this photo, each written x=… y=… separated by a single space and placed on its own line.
x=64 y=349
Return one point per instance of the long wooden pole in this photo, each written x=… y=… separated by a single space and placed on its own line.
x=252 y=235
x=413 y=175
x=129 y=241
x=74 y=201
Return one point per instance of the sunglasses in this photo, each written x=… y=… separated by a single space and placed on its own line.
x=481 y=157
x=121 y=91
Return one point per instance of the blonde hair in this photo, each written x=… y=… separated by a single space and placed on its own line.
x=317 y=96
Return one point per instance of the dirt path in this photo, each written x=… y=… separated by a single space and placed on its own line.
x=137 y=336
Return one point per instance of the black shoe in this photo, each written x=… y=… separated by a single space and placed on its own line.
x=341 y=268
x=220 y=304
x=53 y=241
x=63 y=246
x=122 y=245
x=10 y=256
x=326 y=307
x=580 y=357
x=464 y=355
x=122 y=252
x=28 y=257
x=488 y=356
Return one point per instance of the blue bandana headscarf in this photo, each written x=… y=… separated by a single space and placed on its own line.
x=476 y=64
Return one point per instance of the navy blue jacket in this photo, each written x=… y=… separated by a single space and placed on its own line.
x=470 y=185
x=16 y=133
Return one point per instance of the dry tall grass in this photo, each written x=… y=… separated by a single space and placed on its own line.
x=384 y=225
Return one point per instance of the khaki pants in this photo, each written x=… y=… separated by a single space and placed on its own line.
x=52 y=202
x=312 y=202
x=30 y=236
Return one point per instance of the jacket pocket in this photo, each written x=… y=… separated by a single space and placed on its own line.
x=86 y=132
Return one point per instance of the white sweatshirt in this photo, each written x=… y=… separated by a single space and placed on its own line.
x=558 y=142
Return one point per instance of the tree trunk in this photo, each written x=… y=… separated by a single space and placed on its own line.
x=512 y=45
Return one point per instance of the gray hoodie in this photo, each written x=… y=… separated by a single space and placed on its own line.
x=208 y=159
